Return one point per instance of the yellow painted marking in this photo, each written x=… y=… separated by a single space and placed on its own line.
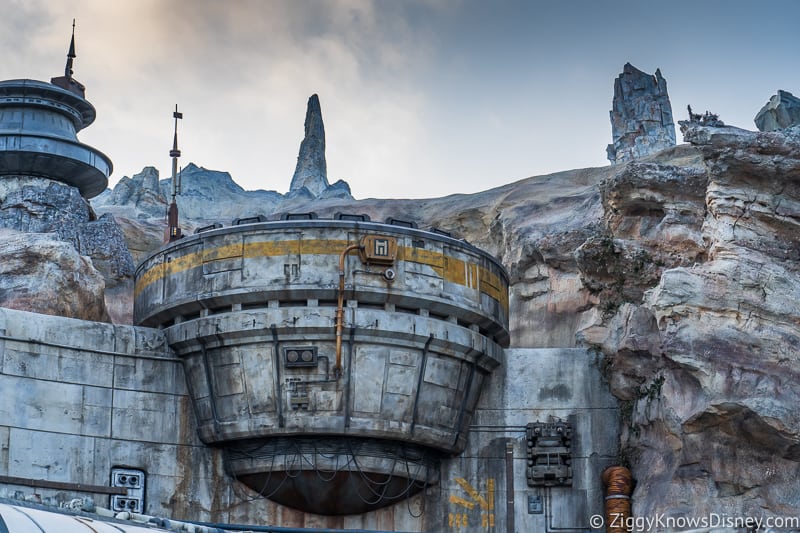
x=454 y=271
x=435 y=260
x=469 y=489
x=490 y=490
x=451 y=269
x=222 y=252
x=458 y=520
x=461 y=501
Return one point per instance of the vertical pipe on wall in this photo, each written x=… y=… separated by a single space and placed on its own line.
x=618 y=485
x=510 y=486
x=276 y=359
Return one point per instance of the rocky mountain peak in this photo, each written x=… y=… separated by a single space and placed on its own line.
x=311 y=171
x=148 y=178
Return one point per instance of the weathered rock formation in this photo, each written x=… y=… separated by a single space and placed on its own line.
x=311 y=173
x=697 y=280
x=641 y=116
x=40 y=205
x=141 y=192
x=781 y=112
x=41 y=273
x=213 y=195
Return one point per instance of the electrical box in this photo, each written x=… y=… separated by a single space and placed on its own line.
x=378 y=250
x=549 y=454
x=535 y=504
x=134 y=481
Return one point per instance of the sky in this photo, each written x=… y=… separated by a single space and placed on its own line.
x=420 y=98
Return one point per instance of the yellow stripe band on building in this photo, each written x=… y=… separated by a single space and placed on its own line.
x=450 y=269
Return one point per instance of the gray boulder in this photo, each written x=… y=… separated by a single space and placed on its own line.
x=43 y=274
x=781 y=112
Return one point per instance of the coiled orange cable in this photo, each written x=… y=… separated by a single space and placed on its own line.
x=618 y=483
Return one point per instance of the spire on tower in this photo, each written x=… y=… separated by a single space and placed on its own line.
x=71 y=54
x=67 y=81
x=172 y=213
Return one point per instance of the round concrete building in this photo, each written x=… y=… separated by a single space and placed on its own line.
x=39 y=122
x=335 y=361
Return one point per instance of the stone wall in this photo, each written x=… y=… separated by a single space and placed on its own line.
x=78 y=398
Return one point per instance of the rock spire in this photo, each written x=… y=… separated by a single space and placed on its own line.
x=311 y=171
x=641 y=116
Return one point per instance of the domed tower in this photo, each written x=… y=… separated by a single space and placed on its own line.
x=39 y=122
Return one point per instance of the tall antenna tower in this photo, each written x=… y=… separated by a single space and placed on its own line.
x=172 y=214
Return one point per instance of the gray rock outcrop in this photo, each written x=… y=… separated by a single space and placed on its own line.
x=641 y=116
x=213 y=195
x=781 y=112
x=43 y=274
x=697 y=284
x=311 y=171
x=142 y=192
x=39 y=205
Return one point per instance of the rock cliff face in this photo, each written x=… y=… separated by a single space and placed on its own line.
x=39 y=205
x=641 y=116
x=41 y=273
x=697 y=280
x=781 y=112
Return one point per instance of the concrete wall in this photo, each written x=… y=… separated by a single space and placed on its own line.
x=78 y=398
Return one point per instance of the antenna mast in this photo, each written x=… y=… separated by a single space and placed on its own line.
x=172 y=215
x=67 y=81
x=70 y=54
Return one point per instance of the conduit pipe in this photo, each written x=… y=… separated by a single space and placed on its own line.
x=337 y=368
x=618 y=485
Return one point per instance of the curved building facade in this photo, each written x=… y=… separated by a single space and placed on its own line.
x=335 y=361
x=39 y=123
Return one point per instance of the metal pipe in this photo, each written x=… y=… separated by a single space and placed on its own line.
x=212 y=397
x=276 y=360
x=510 y=486
x=420 y=377
x=337 y=368
x=463 y=408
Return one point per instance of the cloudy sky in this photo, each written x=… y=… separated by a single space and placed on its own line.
x=419 y=98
